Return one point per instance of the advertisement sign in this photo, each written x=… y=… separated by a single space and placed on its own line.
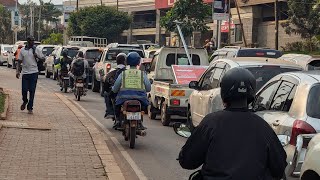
x=163 y=4
x=15 y=20
x=225 y=26
x=184 y=74
x=220 y=10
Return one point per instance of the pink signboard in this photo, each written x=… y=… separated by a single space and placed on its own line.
x=185 y=74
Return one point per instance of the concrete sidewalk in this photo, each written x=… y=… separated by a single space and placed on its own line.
x=56 y=142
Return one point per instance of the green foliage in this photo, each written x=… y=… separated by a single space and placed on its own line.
x=99 y=21
x=309 y=45
x=2 y=98
x=303 y=18
x=5 y=26
x=54 y=39
x=192 y=14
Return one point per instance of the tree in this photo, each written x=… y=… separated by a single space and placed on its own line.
x=5 y=26
x=99 y=21
x=54 y=39
x=192 y=14
x=304 y=18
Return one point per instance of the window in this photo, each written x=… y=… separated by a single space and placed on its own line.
x=47 y=50
x=281 y=99
x=154 y=61
x=206 y=81
x=215 y=78
x=212 y=78
x=238 y=33
x=263 y=100
x=72 y=52
x=92 y=54
x=181 y=59
x=313 y=104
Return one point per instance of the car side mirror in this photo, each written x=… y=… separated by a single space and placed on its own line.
x=193 y=85
x=182 y=129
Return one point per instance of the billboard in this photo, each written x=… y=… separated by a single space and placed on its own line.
x=15 y=20
x=220 y=10
x=184 y=74
x=163 y=4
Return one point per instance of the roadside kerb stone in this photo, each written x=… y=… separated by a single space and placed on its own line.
x=111 y=167
x=3 y=115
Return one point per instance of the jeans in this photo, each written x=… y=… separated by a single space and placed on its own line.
x=29 y=83
x=109 y=105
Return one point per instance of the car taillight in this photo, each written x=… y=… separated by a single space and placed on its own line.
x=300 y=127
x=175 y=102
x=108 y=67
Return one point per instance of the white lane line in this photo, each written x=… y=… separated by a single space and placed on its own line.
x=124 y=153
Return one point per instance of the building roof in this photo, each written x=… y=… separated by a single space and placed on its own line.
x=8 y=3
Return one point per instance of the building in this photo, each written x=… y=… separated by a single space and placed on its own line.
x=257 y=17
x=9 y=4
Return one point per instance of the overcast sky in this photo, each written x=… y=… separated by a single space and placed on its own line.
x=37 y=1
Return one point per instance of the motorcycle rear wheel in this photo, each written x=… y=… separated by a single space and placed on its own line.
x=65 y=86
x=132 y=135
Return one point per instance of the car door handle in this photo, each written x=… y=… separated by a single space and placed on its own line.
x=276 y=123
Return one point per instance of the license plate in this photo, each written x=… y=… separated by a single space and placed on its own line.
x=79 y=85
x=133 y=115
x=66 y=78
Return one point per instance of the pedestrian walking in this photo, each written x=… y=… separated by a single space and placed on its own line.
x=27 y=66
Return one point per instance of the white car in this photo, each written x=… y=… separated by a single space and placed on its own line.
x=206 y=97
x=311 y=165
x=290 y=103
x=4 y=53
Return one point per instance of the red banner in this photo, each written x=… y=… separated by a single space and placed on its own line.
x=185 y=74
x=163 y=4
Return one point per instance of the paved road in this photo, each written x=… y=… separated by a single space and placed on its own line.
x=155 y=155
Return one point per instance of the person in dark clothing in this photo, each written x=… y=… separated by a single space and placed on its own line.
x=110 y=79
x=234 y=143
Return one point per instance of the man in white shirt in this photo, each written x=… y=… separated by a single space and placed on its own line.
x=27 y=64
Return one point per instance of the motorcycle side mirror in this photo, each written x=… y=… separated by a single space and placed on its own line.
x=182 y=129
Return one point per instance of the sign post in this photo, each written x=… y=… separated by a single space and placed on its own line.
x=15 y=23
x=219 y=13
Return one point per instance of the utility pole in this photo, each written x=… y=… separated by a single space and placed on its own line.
x=229 y=22
x=101 y=2
x=39 y=23
x=117 y=5
x=276 y=18
x=243 y=35
x=77 y=7
x=31 y=20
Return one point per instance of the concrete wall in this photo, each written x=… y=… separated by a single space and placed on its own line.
x=266 y=35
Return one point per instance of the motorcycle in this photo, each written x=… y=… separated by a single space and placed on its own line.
x=79 y=85
x=64 y=81
x=131 y=121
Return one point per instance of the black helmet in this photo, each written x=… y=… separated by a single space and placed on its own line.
x=30 y=38
x=65 y=52
x=238 y=84
x=121 y=58
x=80 y=54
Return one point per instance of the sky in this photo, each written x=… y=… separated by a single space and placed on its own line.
x=37 y=1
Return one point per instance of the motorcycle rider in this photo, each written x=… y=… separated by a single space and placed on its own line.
x=132 y=84
x=62 y=65
x=234 y=143
x=79 y=67
x=110 y=79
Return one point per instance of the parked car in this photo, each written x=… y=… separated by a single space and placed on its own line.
x=106 y=63
x=235 y=51
x=289 y=102
x=117 y=45
x=206 y=98
x=46 y=50
x=148 y=46
x=306 y=61
x=57 y=53
x=4 y=53
x=11 y=60
x=91 y=54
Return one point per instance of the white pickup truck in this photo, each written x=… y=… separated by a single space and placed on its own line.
x=168 y=96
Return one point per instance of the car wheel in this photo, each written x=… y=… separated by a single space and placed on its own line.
x=95 y=84
x=152 y=111
x=165 y=117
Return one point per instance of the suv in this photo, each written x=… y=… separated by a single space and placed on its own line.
x=106 y=63
x=91 y=54
x=46 y=50
x=57 y=53
x=206 y=98
x=4 y=53
x=235 y=51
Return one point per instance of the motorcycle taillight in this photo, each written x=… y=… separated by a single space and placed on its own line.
x=79 y=81
x=133 y=108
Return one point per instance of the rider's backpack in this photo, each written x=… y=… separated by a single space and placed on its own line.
x=78 y=67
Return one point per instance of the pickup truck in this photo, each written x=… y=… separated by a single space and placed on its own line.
x=167 y=96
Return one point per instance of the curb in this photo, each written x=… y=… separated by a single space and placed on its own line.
x=3 y=116
x=112 y=170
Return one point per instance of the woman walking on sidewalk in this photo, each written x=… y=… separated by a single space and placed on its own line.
x=29 y=68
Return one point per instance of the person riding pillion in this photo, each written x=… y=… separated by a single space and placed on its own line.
x=234 y=143
x=79 y=68
x=132 y=84
x=109 y=82
x=63 y=64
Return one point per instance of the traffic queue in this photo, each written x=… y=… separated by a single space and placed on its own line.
x=286 y=91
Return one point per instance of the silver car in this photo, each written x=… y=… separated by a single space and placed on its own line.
x=206 y=98
x=4 y=53
x=306 y=61
x=290 y=104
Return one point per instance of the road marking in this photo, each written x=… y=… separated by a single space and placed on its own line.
x=124 y=153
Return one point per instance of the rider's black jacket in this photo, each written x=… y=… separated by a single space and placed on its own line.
x=234 y=144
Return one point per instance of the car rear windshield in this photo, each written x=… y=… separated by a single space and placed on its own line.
x=92 y=54
x=7 y=48
x=313 y=105
x=47 y=50
x=264 y=73
x=259 y=53
x=72 y=52
x=181 y=59
x=112 y=54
